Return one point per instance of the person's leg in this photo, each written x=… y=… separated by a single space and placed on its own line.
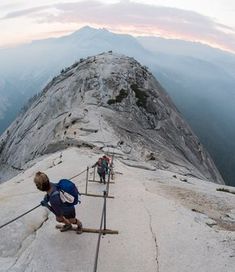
x=78 y=223
x=71 y=216
x=68 y=212
x=75 y=221
x=66 y=222
x=66 y=227
x=104 y=177
x=62 y=219
x=100 y=175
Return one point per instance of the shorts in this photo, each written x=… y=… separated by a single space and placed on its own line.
x=69 y=212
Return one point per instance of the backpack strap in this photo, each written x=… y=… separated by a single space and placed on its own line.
x=56 y=192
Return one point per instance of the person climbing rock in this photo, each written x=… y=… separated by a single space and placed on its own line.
x=109 y=166
x=107 y=160
x=101 y=168
x=63 y=210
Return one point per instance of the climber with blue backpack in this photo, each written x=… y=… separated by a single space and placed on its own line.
x=62 y=197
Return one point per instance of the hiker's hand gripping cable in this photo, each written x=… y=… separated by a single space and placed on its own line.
x=44 y=203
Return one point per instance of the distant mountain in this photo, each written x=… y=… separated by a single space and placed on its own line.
x=27 y=68
x=200 y=80
x=171 y=47
x=107 y=100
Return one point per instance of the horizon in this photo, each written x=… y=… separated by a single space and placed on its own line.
x=23 y=22
x=117 y=33
x=199 y=80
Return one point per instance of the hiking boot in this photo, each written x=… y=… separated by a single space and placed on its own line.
x=79 y=228
x=66 y=227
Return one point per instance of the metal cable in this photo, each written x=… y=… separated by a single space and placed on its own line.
x=98 y=242
x=18 y=217
x=102 y=216
x=79 y=174
x=102 y=220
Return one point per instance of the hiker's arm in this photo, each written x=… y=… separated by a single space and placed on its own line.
x=56 y=206
x=94 y=165
x=45 y=201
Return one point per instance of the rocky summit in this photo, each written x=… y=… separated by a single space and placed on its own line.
x=102 y=102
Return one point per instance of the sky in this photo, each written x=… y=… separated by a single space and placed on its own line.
x=211 y=22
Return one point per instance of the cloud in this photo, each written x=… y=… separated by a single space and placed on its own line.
x=24 y=12
x=139 y=19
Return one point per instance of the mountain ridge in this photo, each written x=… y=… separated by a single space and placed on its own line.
x=78 y=107
x=199 y=96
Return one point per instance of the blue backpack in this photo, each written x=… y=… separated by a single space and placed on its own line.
x=69 y=193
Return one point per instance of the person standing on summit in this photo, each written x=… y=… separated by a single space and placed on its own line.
x=63 y=210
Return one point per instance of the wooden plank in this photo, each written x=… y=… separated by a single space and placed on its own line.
x=90 y=180
x=107 y=231
x=94 y=195
x=90 y=230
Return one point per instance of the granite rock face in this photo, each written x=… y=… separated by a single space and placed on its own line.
x=106 y=102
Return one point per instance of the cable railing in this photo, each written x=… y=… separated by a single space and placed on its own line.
x=103 y=218
x=18 y=217
x=102 y=222
x=102 y=230
x=34 y=208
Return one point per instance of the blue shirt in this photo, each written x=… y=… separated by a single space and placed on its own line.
x=58 y=207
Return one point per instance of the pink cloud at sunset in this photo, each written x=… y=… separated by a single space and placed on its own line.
x=132 y=18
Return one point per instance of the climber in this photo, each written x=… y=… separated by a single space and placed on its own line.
x=107 y=160
x=64 y=211
x=101 y=168
x=109 y=166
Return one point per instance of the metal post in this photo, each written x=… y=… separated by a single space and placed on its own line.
x=111 y=167
x=105 y=194
x=108 y=183
x=105 y=178
x=87 y=176
x=99 y=238
x=94 y=173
